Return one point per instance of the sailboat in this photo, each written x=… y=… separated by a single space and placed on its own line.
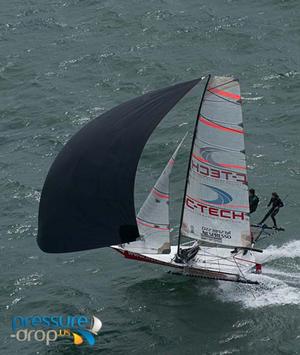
x=87 y=200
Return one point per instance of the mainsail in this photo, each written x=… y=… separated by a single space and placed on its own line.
x=216 y=207
x=88 y=197
x=153 y=217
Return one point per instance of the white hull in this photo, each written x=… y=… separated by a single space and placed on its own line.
x=210 y=262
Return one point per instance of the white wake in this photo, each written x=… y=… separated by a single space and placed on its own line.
x=287 y=250
x=277 y=286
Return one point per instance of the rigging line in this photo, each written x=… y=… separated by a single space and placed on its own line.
x=218 y=259
x=244 y=278
x=229 y=258
x=264 y=234
x=213 y=244
x=285 y=197
x=190 y=160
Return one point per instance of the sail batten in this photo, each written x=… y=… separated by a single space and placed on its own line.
x=216 y=207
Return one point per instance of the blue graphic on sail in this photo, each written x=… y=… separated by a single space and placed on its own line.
x=223 y=196
x=206 y=153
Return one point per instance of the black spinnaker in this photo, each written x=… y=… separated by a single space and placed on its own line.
x=87 y=200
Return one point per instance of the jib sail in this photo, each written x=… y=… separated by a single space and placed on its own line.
x=153 y=217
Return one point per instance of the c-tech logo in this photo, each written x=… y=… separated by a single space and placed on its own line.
x=207 y=154
x=50 y=328
x=223 y=197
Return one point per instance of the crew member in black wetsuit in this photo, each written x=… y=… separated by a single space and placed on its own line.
x=253 y=200
x=276 y=205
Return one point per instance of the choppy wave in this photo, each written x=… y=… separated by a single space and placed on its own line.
x=277 y=286
x=287 y=250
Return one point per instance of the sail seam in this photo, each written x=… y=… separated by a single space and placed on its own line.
x=221 y=165
x=161 y=194
x=218 y=146
x=226 y=94
x=225 y=99
x=158 y=224
x=223 y=84
x=221 y=122
x=212 y=124
x=154 y=227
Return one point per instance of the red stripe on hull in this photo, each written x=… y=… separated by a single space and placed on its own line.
x=133 y=256
x=189 y=271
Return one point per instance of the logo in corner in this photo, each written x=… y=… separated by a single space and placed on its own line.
x=80 y=329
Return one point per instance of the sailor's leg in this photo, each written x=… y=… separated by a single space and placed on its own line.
x=266 y=216
x=273 y=217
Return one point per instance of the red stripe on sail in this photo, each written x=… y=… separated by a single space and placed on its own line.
x=219 y=127
x=200 y=158
x=226 y=94
x=151 y=226
x=171 y=162
x=160 y=194
x=233 y=166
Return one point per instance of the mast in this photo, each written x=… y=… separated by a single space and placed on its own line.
x=190 y=159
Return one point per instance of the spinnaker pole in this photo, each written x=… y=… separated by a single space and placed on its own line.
x=189 y=164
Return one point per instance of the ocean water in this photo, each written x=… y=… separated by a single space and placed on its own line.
x=64 y=62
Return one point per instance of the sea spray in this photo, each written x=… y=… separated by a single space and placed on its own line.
x=276 y=287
